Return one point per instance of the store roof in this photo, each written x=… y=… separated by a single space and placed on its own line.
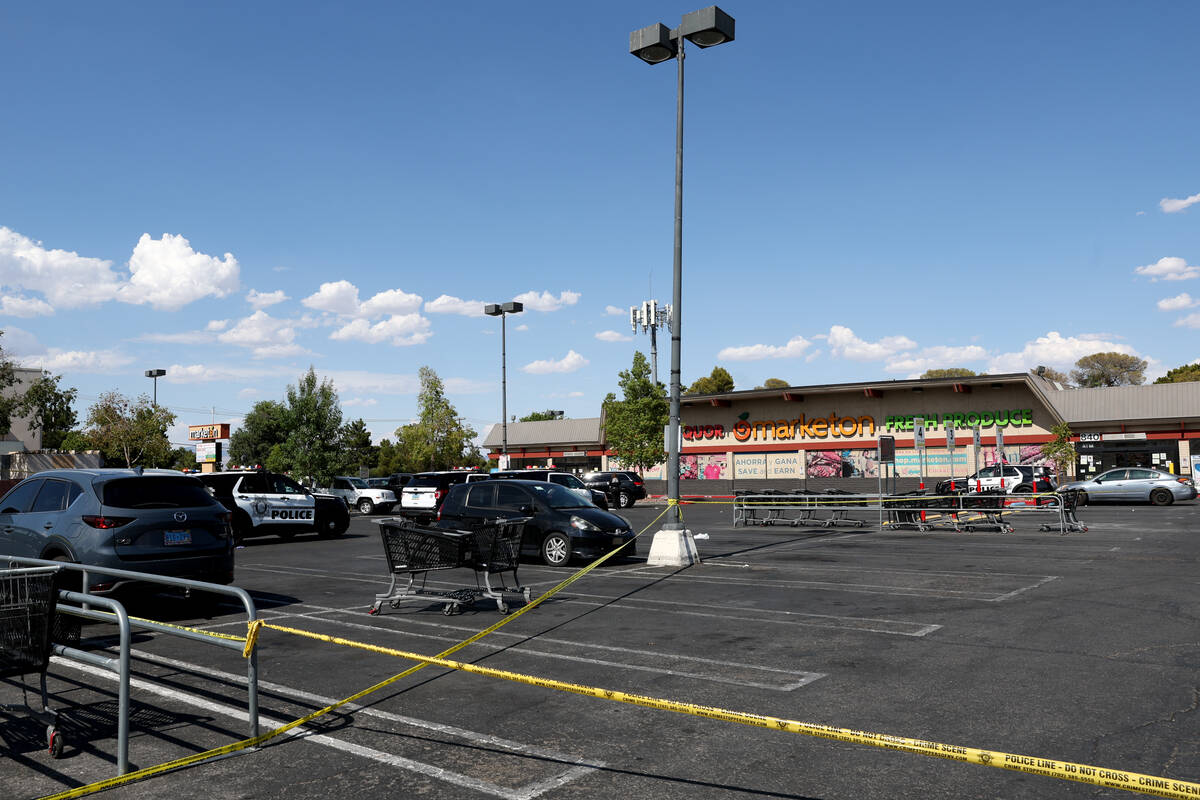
x=547 y=432
x=1162 y=401
x=857 y=387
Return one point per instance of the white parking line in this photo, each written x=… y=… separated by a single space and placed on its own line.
x=528 y=792
x=705 y=669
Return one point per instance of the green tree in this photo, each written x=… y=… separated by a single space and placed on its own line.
x=314 y=418
x=78 y=441
x=1184 y=374
x=357 y=450
x=541 y=416
x=633 y=427
x=774 y=383
x=949 y=372
x=1059 y=452
x=1051 y=374
x=132 y=431
x=181 y=458
x=1109 y=369
x=265 y=427
x=715 y=383
x=8 y=402
x=440 y=438
x=49 y=408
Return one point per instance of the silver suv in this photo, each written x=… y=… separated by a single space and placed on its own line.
x=361 y=495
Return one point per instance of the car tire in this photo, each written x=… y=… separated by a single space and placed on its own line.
x=556 y=550
x=241 y=527
x=331 y=528
x=365 y=506
x=1024 y=488
x=1161 y=497
x=624 y=499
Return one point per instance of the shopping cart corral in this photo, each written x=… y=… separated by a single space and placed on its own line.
x=413 y=551
x=27 y=605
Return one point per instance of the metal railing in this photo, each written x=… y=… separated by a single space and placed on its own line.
x=125 y=624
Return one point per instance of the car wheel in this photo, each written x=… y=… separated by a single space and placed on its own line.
x=332 y=528
x=1024 y=488
x=556 y=550
x=365 y=506
x=1161 y=497
x=624 y=500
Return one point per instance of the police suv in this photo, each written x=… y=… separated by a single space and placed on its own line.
x=265 y=503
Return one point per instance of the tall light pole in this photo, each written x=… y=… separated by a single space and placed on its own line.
x=155 y=374
x=651 y=316
x=654 y=44
x=501 y=310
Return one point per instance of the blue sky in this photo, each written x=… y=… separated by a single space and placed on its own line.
x=235 y=191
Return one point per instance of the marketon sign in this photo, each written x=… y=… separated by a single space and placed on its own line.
x=833 y=426
x=208 y=433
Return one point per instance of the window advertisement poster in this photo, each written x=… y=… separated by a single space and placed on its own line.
x=843 y=463
x=1195 y=466
x=712 y=466
x=749 y=465
x=785 y=465
x=687 y=467
x=938 y=463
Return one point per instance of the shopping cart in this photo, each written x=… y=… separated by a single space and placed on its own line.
x=1068 y=523
x=841 y=501
x=415 y=550
x=989 y=506
x=27 y=604
x=904 y=511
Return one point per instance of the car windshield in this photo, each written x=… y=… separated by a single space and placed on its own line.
x=571 y=482
x=423 y=480
x=557 y=496
x=358 y=483
x=155 y=491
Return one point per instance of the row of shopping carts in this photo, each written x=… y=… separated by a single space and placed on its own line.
x=413 y=551
x=798 y=508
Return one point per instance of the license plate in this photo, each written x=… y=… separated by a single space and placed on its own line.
x=619 y=540
x=177 y=537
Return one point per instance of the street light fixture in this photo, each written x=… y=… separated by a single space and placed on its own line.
x=155 y=374
x=654 y=44
x=501 y=310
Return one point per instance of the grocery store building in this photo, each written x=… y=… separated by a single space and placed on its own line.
x=829 y=433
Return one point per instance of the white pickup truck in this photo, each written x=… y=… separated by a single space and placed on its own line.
x=359 y=494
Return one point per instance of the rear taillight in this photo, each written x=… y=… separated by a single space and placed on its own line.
x=438 y=495
x=105 y=523
x=226 y=523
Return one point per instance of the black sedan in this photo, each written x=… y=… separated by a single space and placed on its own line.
x=561 y=525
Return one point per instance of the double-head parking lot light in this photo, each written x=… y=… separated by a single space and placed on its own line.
x=501 y=310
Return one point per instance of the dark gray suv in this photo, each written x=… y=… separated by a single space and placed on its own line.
x=157 y=521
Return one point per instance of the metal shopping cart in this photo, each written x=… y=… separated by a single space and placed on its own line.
x=415 y=550
x=27 y=604
x=841 y=500
x=989 y=506
x=904 y=511
x=1068 y=500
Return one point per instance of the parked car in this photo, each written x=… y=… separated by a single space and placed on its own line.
x=265 y=503
x=157 y=521
x=397 y=481
x=561 y=526
x=423 y=495
x=1135 y=484
x=622 y=488
x=361 y=495
x=593 y=496
x=378 y=483
x=1018 y=479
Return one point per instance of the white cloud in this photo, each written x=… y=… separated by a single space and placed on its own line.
x=1172 y=206
x=1190 y=321
x=58 y=360
x=392 y=301
x=568 y=363
x=938 y=357
x=338 y=297
x=844 y=344
x=21 y=306
x=1176 y=303
x=263 y=299
x=448 y=304
x=168 y=274
x=266 y=336
x=179 y=337
x=558 y=395
x=544 y=301
x=522 y=327
x=613 y=336
x=248 y=392
x=813 y=356
x=794 y=348
x=208 y=373
x=217 y=325
x=360 y=402
x=1055 y=350
x=67 y=279
x=613 y=311
x=1171 y=268
x=399 y=329
x=18 y=342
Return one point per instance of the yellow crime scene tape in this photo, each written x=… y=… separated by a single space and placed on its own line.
x=1050 y=768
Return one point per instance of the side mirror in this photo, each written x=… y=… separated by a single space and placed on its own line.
x=526 y=510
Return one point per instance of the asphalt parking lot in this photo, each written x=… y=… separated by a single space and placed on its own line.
x=1080 y=647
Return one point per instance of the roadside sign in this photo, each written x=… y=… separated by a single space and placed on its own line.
x=887 y=449
x=999 y=441
x=918 y=432
x=950 y=437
